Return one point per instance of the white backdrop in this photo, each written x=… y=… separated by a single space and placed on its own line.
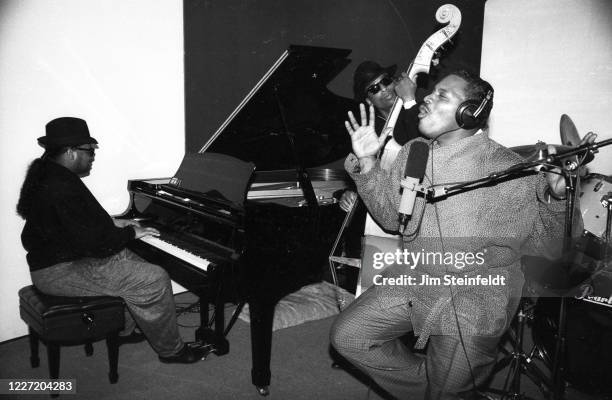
x=546 y=58
x=119 y=65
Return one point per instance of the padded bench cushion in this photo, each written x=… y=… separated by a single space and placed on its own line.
x=70 y=319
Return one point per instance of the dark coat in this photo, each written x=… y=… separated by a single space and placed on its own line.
x=64 y=221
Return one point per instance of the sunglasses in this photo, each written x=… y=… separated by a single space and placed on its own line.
x=92 y=152
x=377 y=87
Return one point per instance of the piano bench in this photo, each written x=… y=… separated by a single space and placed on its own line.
x=58 y=321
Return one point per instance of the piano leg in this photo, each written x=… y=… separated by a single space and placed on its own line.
x=262 y=318
x=203 y=333
x=221 y=343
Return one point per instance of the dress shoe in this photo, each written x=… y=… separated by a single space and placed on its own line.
x=186 y=355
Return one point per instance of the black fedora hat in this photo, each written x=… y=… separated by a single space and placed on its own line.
x=66 y=131
x=365 y=73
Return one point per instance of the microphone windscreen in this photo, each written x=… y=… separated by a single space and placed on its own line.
x=417 y=160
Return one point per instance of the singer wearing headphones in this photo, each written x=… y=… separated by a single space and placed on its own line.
x=458 y=281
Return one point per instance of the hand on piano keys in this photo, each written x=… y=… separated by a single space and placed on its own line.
x=151 y=235
x=139 y=230
x=144 y=231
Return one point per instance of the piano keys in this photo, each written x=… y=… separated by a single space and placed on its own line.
x=173 y=249
x=252 y=217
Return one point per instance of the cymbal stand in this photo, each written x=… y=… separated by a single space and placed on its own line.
x=518 y=361
x=571 y=181
x=606 y=201
x=558 y=367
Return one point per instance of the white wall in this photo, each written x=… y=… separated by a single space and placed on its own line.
x=116 y=63
x=546 y=58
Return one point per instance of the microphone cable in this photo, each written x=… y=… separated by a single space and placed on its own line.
x=452 y=294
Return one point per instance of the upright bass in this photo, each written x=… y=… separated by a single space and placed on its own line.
x=446 y=14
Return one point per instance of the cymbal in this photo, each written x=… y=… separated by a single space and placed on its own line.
x=569 y=133
x=531 y=152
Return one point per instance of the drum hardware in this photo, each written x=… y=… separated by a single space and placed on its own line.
x=595 y=196
x=558 y=366
x=606 y=201
x=519 y=361
x=571 y=181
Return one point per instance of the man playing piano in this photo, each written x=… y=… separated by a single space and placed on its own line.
x=460 y=319
x=74 y=248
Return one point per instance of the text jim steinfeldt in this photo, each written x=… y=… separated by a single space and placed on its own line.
x=446 y=280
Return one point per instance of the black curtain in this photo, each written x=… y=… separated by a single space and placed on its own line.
x=230 y=44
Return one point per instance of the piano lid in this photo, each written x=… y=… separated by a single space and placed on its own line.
x=290 y=103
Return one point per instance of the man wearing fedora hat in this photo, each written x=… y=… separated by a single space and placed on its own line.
x=75 y=248
x=376 y=85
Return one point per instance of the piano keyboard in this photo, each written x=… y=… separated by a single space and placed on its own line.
x=176 y=251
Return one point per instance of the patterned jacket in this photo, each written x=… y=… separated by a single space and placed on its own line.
x=496 y=224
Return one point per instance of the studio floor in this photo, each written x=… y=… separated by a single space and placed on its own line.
x=301 y=369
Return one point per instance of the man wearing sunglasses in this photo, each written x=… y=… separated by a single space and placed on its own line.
x=76 y=249
x=376 y=85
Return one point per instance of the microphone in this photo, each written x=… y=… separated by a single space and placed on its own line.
x=413 y=174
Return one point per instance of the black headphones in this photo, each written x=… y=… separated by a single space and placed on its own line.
x=469 y=114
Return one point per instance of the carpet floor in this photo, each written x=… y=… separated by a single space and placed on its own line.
x=301 y=369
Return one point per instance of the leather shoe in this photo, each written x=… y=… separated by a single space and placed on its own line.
x=186 y=355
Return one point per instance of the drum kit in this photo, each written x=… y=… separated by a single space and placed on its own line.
x=568 y=302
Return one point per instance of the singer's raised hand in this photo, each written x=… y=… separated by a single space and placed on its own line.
x=363 y=136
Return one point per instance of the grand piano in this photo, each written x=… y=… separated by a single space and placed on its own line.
x=253 y=215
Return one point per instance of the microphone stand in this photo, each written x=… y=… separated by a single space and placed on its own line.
x=516 y=171
x=558 y=367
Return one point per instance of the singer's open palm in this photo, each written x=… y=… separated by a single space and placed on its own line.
x=363 y=136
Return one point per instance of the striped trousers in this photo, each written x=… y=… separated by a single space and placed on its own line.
x=144 y=287
x=367 y=334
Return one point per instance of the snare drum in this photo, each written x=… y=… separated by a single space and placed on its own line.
x=592 y=189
